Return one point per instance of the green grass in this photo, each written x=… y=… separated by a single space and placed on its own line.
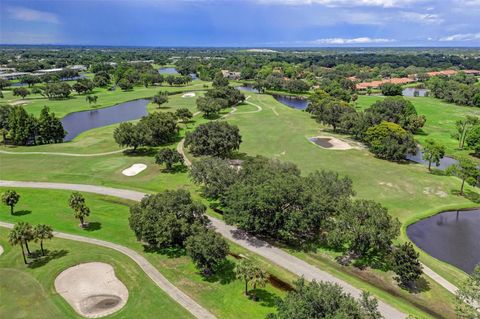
x=407 y=190
x=109 y=220
x=441 y=118
x=29 y=292
x=76 y=103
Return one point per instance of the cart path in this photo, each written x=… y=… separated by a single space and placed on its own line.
x=63 y=154
x=262 y=248
x=162 y=282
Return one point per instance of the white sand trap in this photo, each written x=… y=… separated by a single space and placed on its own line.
x=92 y=289
x=190 y=94
x=20 y=102
x=330 y=143
x=134 y=169
x=1 y=250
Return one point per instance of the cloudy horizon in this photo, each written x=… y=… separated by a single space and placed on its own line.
x=248 y=23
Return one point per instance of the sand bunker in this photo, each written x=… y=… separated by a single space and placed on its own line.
x=330 y=143
x=190 y=94
x=1 y=250
x=134 y=169
x=92 y=289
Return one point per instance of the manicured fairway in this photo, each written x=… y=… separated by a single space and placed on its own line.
x=222 y=295
x=28 y=291
x=407 y=190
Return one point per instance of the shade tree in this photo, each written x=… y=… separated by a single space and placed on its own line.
x=433 y=152
x=467 y=170
x=169 y=157
x=207 y=248
x=214 y=138
x=390 y=141
x=166 y=219
x=468 y=296
x=406 y=265
x=21 y=91
x=318 y=300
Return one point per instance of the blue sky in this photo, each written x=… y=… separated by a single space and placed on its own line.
x=249 y=23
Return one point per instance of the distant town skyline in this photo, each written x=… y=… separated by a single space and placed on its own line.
x=247 y=23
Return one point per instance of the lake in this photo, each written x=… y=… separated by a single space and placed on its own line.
x=168 y=71
x=292 y=101
x=410 y=92
x=79 y=122
x=453 y=237
x=445 y=162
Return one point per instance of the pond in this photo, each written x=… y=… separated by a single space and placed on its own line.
x=79 y=122
x=292 y=101
x=168 y=71
x=411 y=92
x=81 y=76
x=247 y=88
x=172 y=71
x=452 y=236
x=445 y=162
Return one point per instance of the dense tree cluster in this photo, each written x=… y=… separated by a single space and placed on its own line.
x=459 y=89
x=216 y=138
x=218 y=98
x=271 y=198
x=318 y=300
x=390 y=141
x=21 y=128
x=386 y=126
x=391 y=89
x=172 y=219
x=154 y=129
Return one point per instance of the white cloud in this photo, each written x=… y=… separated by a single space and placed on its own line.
x=28 y=38
x=461 y=37
x=344 y=3
x=26 y=14
x=341 y=41
x=425 y=18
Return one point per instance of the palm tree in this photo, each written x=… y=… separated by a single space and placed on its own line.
x=243 y=271
x=77 y=203
x=251 y=273
x=26 y=232
x=259 y=277
x=16 y=238
x=42 y=232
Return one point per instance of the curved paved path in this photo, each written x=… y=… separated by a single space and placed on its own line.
x=62 y=154
x=162 y=282
x=271 y=253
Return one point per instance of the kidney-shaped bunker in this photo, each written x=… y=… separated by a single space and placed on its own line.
x=92 y=289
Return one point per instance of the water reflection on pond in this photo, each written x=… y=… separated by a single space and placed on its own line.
x=411 y=92
x=79 y=122
x=453 y=237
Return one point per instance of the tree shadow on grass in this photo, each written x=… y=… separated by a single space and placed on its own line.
x=419 y=286
x=144 y=151
x=21 y=212
x=175 y=169
x=468 y=194
x=169 y=252
x=224 y=274
x=93 y=226
x=39 y=260
x=264 y=297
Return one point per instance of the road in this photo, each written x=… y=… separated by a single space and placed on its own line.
x=271 y=253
